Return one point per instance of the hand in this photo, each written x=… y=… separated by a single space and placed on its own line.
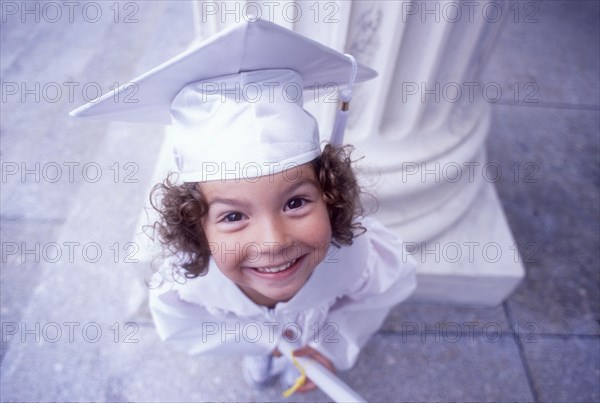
x=308 y=351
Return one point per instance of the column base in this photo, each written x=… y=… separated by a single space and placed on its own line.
x=474 y=262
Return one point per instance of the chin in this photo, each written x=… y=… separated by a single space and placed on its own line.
x=279 y=296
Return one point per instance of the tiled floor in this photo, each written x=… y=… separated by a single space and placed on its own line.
x=542 y=343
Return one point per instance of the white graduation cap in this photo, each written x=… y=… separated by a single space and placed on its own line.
x=236 y=101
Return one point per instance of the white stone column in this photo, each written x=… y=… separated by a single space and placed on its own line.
x=421 y=126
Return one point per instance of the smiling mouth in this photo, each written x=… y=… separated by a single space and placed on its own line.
x=275 y=269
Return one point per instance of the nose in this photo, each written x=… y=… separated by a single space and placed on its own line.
x=273 y=234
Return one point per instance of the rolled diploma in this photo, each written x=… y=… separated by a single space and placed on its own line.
x=326 y=380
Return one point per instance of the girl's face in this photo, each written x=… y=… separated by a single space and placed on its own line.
x=268 y=234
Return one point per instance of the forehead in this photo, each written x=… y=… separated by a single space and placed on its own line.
x=268 y=184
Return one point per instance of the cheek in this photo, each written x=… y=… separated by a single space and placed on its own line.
x=222 y=249
x=229 y=250
x=322 y=230
x=319 y=236
x=318 y=228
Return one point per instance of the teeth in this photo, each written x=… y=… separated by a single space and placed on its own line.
x=274 y=269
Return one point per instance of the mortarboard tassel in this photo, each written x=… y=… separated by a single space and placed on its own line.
x=341 y=117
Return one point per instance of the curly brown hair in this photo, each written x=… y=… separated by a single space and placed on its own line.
x=182 y=207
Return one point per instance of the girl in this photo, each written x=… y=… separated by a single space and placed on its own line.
x=263 y=229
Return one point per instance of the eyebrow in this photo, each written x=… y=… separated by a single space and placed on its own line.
x=301 y=183
x=230 y=202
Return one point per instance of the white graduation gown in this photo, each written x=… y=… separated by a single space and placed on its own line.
x=344 y=302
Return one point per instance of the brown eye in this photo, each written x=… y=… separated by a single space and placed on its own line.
x=231 y=217
x=295 y=203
